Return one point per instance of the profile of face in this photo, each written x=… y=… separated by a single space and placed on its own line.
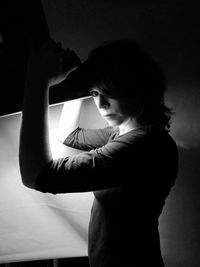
x=111 y=109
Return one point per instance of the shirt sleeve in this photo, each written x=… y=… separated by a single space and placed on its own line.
x=133 y=158
x=97 y=169
x=88 y=139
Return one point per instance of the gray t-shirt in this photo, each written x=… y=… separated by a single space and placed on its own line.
x=130 y=175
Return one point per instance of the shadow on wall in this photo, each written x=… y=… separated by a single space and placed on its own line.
x=180 y=220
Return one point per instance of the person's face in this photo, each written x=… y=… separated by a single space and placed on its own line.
x=110 y=109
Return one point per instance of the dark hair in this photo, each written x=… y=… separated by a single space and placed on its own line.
x=124 y=70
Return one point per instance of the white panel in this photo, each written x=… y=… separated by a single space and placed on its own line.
x=35 y=225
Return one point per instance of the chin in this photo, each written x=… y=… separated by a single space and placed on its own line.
x=112 y=123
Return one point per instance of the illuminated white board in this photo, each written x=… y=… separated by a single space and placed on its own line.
x=35 y=225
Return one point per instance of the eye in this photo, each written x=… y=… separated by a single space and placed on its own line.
x=94 y=93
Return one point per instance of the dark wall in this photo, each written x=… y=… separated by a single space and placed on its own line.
x=180 y=221
x=168 y=29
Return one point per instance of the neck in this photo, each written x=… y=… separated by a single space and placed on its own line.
x=127 y=126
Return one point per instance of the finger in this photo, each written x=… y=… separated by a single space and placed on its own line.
x=55 y=47
x=58 y=48
x=69 y=53
x=70 y=61
x=48 y=45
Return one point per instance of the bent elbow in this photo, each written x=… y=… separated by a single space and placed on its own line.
x=27 y=181
x=27 y=176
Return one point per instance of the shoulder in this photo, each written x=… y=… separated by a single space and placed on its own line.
x=145 y=142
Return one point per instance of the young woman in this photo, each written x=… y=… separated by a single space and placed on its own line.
x=130 y=165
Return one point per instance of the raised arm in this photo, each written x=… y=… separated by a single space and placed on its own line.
x=44 y=70
x=69 y=120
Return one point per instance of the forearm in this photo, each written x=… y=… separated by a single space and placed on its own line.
x=34 y=152
x=44 y=69
x=69 y=119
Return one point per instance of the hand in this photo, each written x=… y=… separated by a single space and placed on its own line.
x=51 y=63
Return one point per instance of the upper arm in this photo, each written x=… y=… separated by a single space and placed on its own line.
x=87 y=139
x=88 y=171
x=139 y=161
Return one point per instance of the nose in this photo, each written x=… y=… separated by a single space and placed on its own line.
x=102 y=102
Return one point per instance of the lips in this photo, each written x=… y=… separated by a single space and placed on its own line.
x=109 y=115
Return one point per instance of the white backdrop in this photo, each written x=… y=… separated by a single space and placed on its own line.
x=35 y=225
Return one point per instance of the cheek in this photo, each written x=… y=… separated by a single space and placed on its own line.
x=118 y=107
x=115 y=105
x=126 y=108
